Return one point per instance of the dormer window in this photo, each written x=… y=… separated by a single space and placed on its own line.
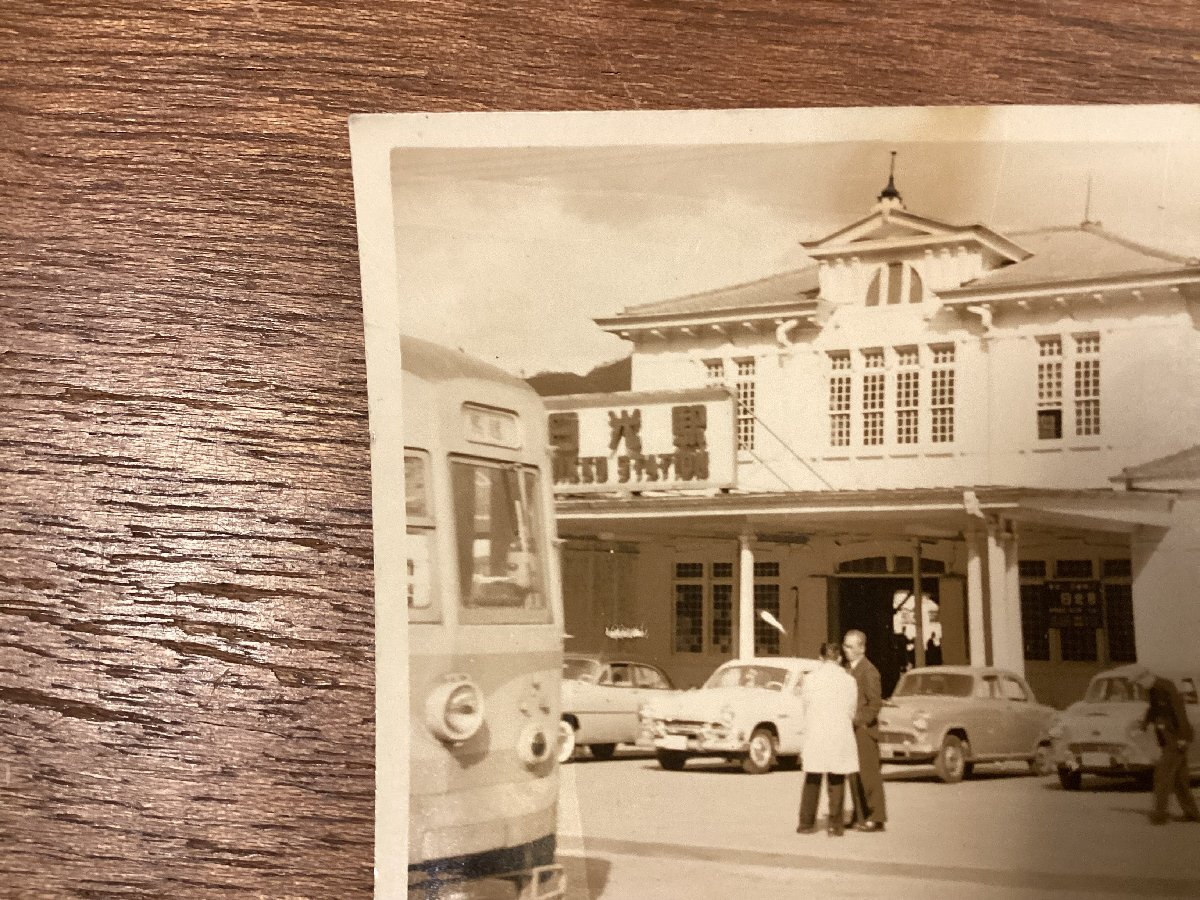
x=894 y=284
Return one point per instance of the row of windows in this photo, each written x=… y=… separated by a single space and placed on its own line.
x=917 y=395
x=743 y=389
x=876 y=404
x=700 y=599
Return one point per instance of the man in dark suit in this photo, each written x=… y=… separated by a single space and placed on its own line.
x=1168 y=714
x=866 y=788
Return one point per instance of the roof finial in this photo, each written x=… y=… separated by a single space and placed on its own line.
x=889 y=198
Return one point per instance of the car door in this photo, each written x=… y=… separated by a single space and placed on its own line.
x=1020 y=728
x=791 y=717
x=623 y=692
x=985 y=716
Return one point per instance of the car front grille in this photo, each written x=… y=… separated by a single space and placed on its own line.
x=684 y=726
x=895 y=737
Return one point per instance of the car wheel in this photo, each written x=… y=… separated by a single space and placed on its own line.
x=1042 y=762
x=603 y=751
x=760 y=756
x=1070 y=779
x=951 y=761
x=671 y=760
x=566 y=741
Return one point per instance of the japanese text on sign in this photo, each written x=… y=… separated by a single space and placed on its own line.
x=650 y=445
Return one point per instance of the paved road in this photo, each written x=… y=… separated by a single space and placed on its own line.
x=631 y=830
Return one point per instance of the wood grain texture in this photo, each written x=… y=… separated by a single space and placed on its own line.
x=186 y=663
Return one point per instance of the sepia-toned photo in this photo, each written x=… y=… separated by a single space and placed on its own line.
x=781 y=503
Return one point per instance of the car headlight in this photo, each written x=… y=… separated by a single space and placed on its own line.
x=454 y=710
x=921 y=721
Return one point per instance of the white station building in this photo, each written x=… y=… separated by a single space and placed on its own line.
x=1015 y=417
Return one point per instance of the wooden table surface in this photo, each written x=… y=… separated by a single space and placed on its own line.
x=186 y=664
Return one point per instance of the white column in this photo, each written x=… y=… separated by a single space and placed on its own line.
x=1012 y=604
x=996 y=591
x=745 y=596
x=978 y=648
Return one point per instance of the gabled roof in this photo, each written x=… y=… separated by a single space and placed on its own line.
x=785 y=289
x=885 y=232
x=1076 y=253
x=879 y=225
x=1181 y=466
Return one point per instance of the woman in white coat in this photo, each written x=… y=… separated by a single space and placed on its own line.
x=830 y=697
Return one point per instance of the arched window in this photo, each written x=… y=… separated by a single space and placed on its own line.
x=897 y=283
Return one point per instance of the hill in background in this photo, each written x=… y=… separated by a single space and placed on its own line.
x=604 y=379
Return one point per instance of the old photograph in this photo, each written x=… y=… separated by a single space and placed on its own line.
x=782 y=501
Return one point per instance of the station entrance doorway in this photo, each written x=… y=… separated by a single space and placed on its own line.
x=882 y=608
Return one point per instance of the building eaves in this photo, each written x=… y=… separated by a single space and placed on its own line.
x=785 y=289
x=1184 y=465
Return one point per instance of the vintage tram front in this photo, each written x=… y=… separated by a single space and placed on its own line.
x=485 y=631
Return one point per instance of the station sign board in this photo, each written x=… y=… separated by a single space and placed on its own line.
x=1074 y=604
x=643 y=441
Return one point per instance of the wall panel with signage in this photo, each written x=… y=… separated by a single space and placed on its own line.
x=640 y=441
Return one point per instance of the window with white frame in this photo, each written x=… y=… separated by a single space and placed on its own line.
x=941 y=394
x=873 y=383
x=1049 y=388
x=839 y=399
x=744 y=390
x=1087 y=384
x=908 y=395
x=1056 y=357
x=715 y=372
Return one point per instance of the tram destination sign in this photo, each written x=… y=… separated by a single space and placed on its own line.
x=643 y=441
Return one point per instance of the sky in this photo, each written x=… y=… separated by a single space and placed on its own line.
x=509 y=253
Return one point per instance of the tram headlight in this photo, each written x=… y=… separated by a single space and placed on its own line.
x=454 y=711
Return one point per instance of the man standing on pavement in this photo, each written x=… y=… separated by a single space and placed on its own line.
x=866 y=788
x=1168 y=715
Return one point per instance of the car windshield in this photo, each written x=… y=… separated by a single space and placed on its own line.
x=1115 y=690
x=581 y=669
x=747 y=676
x=938 y=684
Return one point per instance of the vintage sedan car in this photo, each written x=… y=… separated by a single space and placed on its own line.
x=1102 y=733
x=601 y=700
x=748 y=711
x=958 y=716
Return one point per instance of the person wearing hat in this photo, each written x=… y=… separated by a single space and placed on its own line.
x=1168 y=715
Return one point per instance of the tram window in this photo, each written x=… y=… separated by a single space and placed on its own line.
x=497 y=511
x=416 y=487
x=419 y=540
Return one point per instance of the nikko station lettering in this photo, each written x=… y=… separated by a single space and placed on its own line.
x=687 y=462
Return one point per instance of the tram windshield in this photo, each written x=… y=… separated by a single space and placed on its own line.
x=501 y=557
